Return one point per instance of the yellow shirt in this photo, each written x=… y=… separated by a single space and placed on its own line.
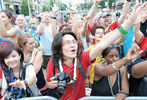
x=99 y=59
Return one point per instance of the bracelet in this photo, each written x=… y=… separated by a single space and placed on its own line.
x=54 y=17
x=25 y=82
x=122 y=30
x=114 y=67
x=123 y=92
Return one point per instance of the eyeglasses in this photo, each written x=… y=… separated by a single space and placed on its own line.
x=113 y=46
x=68 y=42
x=99 y=32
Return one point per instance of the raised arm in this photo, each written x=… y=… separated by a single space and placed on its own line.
x=113 y=35
x=102 y=70
x=54 y=20
x=139 y=69
x=92 y=12
x=37 y=59
x=5 y=33
x=125 y=11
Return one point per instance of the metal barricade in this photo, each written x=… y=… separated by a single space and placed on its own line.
x=39 y=98
x=112 y=98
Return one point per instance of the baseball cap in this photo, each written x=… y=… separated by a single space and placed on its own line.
x=103 y=14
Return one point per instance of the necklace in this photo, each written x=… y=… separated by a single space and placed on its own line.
x=75 y=67
x=111 y=88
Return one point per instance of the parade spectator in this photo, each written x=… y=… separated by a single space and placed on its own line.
x=22 y=27
x=113 y=85
x=35 y=56
x=47 y=30
x=12 y=57
x=7 y=29
x=66 y=54
x=33 y=22
x=137 y=68
x=98 y=33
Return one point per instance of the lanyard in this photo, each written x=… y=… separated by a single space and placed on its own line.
x=12 y=80
x=75 y=67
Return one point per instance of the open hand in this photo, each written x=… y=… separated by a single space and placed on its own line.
x=73 y=8
x=139 y=13
x=133 y=53
x=97 y=1
x=55 y=8
x=18 y=84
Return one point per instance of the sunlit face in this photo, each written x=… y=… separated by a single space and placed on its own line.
x=69 y=46
x=99 y=33
x=4 y=18
x=21 y=22
x=112 y=56
x=30 y=45
x=104 y=21
x=79 y=21
x=13 y=60
x=46 y=17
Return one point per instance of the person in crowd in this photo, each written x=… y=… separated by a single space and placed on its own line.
x=98 y=33
x=22 y=27
x=104 y=19
x=17 y=79
x=66 y=57
x=113 y=85
x=33 y=22
x=143 y=27
x=35 y=56
x=47 y=30
x=7 y=29
x=3 y=43
x=137 y=68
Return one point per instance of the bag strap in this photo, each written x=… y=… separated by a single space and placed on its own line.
x=82 y=70
x=24 y=69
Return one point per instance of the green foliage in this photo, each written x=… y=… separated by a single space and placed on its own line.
x=51 y=3
x=86 y=5
x=24 y=7
x=45 y=8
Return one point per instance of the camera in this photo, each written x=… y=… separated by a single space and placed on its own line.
x=11 y=96
x=63 y=79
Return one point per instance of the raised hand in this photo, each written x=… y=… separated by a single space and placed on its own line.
x=126 y=7
x=73 y=8
x=55 y=8
x=86 y=18
x=133 y=53
x=139 y=13
x=97 y=2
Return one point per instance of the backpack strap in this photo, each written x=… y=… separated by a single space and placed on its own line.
x=24 y=69
x=82 y=70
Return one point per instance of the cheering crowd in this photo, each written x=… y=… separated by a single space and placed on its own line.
x=45 y=57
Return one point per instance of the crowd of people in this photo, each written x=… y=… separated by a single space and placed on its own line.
x=96 y=51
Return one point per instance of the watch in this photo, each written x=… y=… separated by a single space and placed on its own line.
x=26 y=83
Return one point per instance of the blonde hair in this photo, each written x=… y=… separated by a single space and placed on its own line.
x=23 y=38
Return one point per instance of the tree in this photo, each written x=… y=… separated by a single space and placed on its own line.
x=45 y=8
x=24 y=8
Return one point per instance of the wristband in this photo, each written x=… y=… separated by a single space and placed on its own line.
x=54 y=17
x=114 y=67
x=25 y=82
x=122 y=30
x=123 y=92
